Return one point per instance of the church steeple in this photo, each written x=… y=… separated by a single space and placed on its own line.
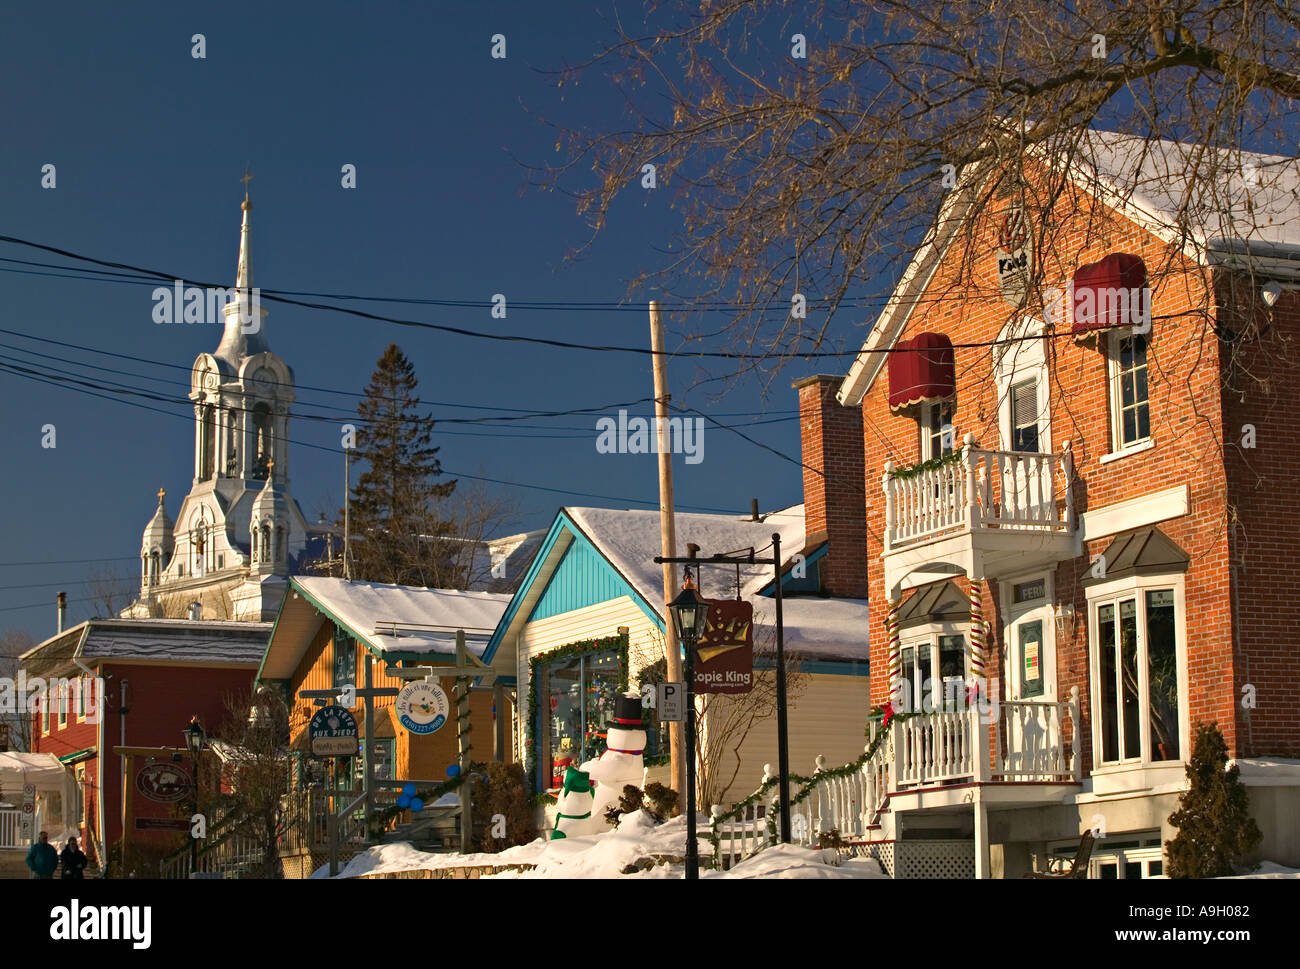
x=245 y=318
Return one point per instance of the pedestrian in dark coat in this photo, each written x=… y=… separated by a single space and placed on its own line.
x=73 y=860
x=42 y=859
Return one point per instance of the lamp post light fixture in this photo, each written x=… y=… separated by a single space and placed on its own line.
x=194 y=742
x=690 y=616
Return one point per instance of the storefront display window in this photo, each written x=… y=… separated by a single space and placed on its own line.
x=577 y=698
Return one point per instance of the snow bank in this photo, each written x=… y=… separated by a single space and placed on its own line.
x=1271 y=869
x=637 y=840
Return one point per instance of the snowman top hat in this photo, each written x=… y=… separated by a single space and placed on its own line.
x=627 y=713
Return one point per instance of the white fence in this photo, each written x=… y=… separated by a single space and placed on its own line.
x=11 y=828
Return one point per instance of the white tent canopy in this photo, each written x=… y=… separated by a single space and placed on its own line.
x=56 y=791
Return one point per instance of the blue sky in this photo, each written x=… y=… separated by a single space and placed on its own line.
x=149 y=144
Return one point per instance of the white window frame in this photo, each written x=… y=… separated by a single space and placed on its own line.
x=1014 y=363
x=61 y=712
x=926 y=635
x=85 y=696
x=1136 y=587
x=1115 y=400
x=925 y=414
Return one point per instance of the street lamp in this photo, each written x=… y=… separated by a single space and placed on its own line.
x=690 y=616
x=194 y=742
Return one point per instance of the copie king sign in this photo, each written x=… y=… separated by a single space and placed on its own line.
x=724 y=655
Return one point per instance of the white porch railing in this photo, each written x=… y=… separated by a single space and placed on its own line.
x=1029 y=740
x=979 y=489
x=11 y=828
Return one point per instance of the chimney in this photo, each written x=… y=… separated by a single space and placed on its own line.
x=834 y=487
x=753 y=510
x=63 y=609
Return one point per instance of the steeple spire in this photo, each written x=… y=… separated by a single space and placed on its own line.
x=244 y=274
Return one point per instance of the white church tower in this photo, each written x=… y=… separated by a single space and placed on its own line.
x=238 y=533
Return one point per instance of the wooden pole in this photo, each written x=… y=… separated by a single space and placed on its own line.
x=668 y=544
x=369 y=701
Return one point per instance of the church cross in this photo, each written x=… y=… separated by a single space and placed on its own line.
x=246 y=179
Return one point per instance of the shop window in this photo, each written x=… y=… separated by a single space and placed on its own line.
x=576 y=695
x=1137 y=687
x=1129 y=395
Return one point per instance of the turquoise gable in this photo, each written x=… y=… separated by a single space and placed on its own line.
x=583 y=578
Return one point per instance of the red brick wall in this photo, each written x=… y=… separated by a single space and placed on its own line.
x=1186 y=420
x=1262 y=389
x=832 y=484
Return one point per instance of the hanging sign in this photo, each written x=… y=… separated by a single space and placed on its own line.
x=421 y=707
x=163 y=782
x=333 y=733
x=724 y=655
x=1015 y=256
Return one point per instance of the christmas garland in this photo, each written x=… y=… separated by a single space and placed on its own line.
x=809 y=784
x=619 y=642
x=934 y=464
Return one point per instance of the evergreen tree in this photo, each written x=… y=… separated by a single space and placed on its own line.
x=1213 y=819
x=396 y=533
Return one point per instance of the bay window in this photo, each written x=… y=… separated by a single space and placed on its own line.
x=1138 y=689
x=934 y=673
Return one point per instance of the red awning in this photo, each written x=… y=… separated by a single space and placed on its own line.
x=921 y=370
x=1108 y=293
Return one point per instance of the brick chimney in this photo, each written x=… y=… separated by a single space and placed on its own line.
x=835 y=499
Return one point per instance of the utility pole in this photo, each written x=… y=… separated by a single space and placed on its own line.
x=668 y=544
x=347 y=495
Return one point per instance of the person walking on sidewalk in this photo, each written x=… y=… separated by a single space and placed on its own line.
x=73 y=860
x=42 y=859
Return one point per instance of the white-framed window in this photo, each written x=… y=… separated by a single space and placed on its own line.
x=44 y=701
x=1130 y=403
x=1122 y=857
x=1138 y=670
x=936 y=429
x=934 y=670
x=85 y=697
x=1020 y=371
x=64 y=699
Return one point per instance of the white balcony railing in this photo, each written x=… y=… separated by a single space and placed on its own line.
x=976 y=490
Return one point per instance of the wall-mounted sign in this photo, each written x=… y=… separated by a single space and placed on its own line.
x=163 y=782
x=1015 y=255
x=724 y=655
x=421 y=707
x=333 y=733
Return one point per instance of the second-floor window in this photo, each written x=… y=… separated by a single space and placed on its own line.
x=936 y=430
x=1130 y=404
x=1024 y=416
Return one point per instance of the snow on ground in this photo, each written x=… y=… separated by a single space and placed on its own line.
x=606 y=855
x=1271 y=869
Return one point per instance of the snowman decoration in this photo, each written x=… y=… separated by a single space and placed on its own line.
x=621 y=763
x=573 y=816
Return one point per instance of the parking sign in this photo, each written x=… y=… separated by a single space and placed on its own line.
x=670 y=703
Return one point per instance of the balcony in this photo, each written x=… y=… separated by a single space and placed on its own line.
x=979 y=513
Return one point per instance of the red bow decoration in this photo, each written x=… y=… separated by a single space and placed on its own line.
x=888 y=711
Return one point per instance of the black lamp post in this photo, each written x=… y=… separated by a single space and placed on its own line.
x=690 y=616
x=194 y=741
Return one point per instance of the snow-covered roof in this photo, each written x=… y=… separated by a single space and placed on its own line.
x=630 y=540
x=405 y=619
x=1221 y=196
x=180 y=641
x=818 y=629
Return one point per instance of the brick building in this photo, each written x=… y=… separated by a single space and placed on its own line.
x=1084 y=497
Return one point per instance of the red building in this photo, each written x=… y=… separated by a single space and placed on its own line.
x=1088 y=503
x=136 y=683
